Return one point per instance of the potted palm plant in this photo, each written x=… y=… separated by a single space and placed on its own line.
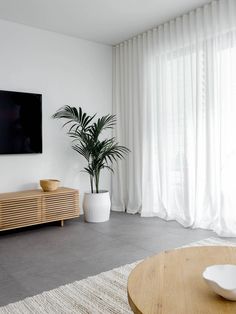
x=99 y=154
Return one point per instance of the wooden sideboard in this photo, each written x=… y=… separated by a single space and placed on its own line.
x=27 y=208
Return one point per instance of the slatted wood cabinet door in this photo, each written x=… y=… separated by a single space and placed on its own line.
x=26 y=208
x=20 y=212
x=60 y=206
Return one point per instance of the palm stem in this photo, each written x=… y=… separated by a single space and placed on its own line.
x=91 y=183
x=97 y=181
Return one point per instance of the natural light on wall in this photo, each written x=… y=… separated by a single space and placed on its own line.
x=175 y=99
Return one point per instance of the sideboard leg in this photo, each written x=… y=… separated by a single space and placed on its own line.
x=62 y=223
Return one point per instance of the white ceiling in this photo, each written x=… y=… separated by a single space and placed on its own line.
x=104 y=21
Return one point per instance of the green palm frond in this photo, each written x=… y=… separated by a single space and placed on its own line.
x=89 y=170
x=82 y=150
x=106 y=122
x=78 y=118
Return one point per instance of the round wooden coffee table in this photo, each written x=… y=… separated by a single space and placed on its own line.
x=171 y=282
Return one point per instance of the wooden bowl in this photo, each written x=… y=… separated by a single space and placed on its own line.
x=49 y=185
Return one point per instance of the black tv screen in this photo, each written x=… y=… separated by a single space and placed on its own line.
x=20 y=123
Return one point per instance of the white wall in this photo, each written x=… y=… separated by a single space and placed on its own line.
x=65 y=70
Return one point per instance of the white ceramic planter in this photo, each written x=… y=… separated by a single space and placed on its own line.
x=97 y=206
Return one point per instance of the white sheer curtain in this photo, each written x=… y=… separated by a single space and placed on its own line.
x=175 y=99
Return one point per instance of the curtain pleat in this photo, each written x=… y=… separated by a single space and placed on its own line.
x=174 y=94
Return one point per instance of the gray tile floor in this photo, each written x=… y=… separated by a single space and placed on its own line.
x=40 y=258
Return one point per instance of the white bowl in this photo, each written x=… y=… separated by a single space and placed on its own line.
x=222 y=279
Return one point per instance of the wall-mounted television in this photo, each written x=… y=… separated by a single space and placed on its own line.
x=20 y=123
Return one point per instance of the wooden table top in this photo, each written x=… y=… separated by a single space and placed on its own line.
x=171 y=282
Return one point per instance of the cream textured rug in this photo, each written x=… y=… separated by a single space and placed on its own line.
x=104 y=293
